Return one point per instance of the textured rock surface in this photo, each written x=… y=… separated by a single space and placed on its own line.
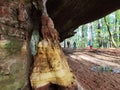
x=50 y=63
x=66 y=14
x=13 y=75
x=69 y=14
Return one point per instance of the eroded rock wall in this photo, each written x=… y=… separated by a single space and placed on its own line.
x=13 y=64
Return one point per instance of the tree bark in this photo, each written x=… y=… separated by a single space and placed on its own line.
x=99 y=33
x=110 y=34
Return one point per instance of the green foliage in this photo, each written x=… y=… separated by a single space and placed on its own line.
x=117 y=13
x=13 y=46
x=99 y=32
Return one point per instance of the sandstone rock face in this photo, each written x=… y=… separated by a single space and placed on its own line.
x=69 y=14
x=50 y=64
x=13 y=74
x=66 y=14
x=13 y=64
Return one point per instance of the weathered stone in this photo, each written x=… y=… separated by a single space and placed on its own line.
x=13 y=72
x=67 y=16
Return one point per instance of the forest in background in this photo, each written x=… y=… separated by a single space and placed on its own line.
x=104 y=33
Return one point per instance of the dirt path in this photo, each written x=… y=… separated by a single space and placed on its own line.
x=81 y=62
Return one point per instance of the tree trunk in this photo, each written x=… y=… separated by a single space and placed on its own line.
x=83 y=36
x=110 y=34
x=116 y=35
x=99 y=34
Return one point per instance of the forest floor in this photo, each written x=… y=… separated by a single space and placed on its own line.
x=97 y=69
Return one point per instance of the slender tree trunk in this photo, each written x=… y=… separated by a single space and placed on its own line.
x=99 y=33
x=110 y=34
x=64 y=43
x=83 y=36
x=117 y=28
x=116 y=34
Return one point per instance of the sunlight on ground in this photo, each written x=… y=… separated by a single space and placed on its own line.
x=94 y=60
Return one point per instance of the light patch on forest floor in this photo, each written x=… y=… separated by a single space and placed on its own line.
x=81 y=62
x=95 y=60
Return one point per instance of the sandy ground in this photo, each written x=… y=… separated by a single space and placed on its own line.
x=82 y=60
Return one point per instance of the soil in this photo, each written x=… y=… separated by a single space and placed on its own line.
x=82 y=60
